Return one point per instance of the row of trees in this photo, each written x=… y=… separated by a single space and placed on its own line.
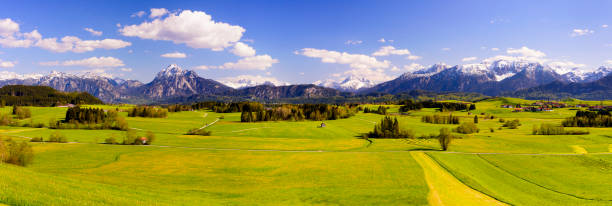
x=439 y=119
x=148 y=111
x=408 y=105
x=90 y=118
x=601 y=118
x=17 y=153
x=85 y=115
x=178 y=108
x=381 y=110
x=316 y=112
x=550 y=129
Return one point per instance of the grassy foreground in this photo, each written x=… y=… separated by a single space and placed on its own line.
x=296 y=163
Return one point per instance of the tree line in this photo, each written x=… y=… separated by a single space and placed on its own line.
x=381 y=110
x=148 y=111
x=440 y=119
x=22 y=95
x=409 y=104
x=316 y=112
x=601 y=118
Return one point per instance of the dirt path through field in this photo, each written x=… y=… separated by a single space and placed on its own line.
x=445 y=189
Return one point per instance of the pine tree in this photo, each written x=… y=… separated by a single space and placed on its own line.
x=476 y=119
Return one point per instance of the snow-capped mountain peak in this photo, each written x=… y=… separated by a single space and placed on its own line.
x=351 y=83
x=243 y=81
x=171 y=70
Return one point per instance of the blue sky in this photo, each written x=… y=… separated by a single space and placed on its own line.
x=298 y=41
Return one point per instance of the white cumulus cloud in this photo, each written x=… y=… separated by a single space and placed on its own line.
x=138 y=14
x=243 y=50
x=158 y=12
x=93 y=32
x=11 y=37
x=524 y=51
x=259 y=62
x=356 y=61
x=8 y=27
x=469 y=59
x=413 y=67
x=7 y=64
x=178 y=55
x=581 y=32
x=92 y=62
x=196 y=29
x=353 y=42
x=390 y=50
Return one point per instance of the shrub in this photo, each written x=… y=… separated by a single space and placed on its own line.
x=198 y=131
x=467 y=128
x=22 y=112
x=549 y=129
x=150 y=137
x=110 y=140
x=57 y=137
x=36 y=139
x=512 y=124
x=444 y=138
x=5 y=119
x=501 y=120
x=15 y=153
x=475 y=119
x=491 y=129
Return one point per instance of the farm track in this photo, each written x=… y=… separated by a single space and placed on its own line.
x=445 y=189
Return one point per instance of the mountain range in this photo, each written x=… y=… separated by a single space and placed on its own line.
x=510 y=78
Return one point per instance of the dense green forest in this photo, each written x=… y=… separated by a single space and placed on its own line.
x=22 y=95
x=601 y=118
x=255 y=112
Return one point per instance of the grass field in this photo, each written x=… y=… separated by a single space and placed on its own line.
x=297 y=163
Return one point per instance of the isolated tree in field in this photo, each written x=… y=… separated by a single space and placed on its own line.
x=445 y=138
x=472 y=107
x=476 y=119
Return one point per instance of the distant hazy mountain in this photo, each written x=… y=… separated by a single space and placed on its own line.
x=349 y=84
x=243 y=81
x=490 y=78
x=594 y=90
x=267 y=92
x=577 y=75
x=103 y=87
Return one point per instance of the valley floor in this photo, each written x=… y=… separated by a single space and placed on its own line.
x=296 y=163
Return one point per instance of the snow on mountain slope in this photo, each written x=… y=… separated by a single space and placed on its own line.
x=243 y=81
x=350 y=83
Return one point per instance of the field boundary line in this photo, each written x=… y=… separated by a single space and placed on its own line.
x=536 y=184
x=447 y=189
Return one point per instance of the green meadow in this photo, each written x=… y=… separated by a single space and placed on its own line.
x=299 y=163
